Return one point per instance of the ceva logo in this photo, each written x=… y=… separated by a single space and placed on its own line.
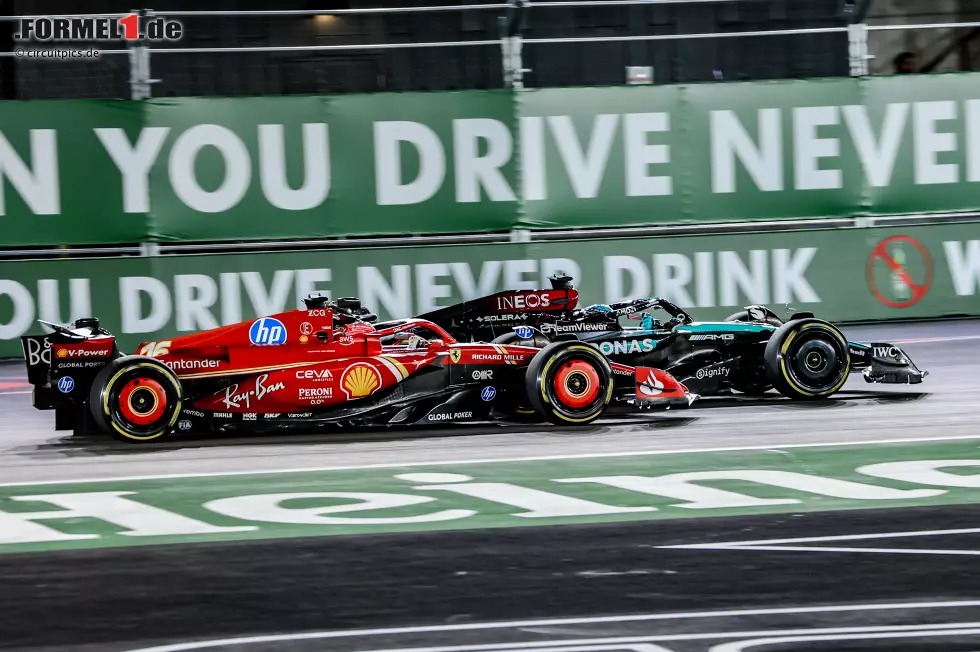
x=267 y=331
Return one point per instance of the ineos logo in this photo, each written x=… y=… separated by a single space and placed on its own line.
x=523 y=302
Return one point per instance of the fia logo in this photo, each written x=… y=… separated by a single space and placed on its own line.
x=524 y=332
x=488 y=393
x=267 y=331
x=66 y=384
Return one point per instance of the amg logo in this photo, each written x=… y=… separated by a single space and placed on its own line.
x=712 y=337
x=316 y=392
x=528 y=301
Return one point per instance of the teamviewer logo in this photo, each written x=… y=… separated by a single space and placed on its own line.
x=98 y=28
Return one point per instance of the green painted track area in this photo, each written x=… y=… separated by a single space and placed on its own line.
x=504 y=494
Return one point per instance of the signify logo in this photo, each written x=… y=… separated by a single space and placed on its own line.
x=131 y=27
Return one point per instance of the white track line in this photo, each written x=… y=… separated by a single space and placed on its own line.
x=696 y=615
x=778 y=545
x=740 y=646
x=545 y=458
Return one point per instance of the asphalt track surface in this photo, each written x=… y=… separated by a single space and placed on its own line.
x=943 y=405
x=559 y=589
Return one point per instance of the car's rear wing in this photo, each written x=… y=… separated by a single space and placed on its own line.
x=61 y=365
x=492 y=315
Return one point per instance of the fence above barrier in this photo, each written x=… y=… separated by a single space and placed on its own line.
x=263 y=169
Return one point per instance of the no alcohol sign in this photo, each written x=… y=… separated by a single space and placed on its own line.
x=899 y=271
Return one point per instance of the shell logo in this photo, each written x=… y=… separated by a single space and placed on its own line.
x=360 y=380
x=62 y=353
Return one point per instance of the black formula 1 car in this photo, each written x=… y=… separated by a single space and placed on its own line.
x=752 y=351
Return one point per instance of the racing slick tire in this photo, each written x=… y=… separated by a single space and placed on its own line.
x=135 y=399
x=569 y=383
x=514 y=403
x=807 y=359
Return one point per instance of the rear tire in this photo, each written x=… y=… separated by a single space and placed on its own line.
x=135 y=399
x=569 y=383
x=514 y=404
x=807 y=359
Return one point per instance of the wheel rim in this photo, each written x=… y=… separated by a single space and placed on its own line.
x=142 y=401
x=816 y=361
x=576 y=388
x=577 y=384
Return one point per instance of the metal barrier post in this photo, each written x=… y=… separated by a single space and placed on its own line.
x=857 y=42
x=139 y=65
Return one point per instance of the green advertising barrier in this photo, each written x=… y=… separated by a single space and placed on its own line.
x=229 y=169
x=841 y=275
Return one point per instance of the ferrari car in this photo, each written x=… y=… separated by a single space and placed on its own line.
x=329 y=364
x=752 y=352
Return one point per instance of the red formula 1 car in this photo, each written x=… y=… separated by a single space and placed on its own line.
x=327 y=364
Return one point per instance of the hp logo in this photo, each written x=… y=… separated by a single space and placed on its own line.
x=266 y=332
x=66 y=384
x=488 y=393
x=524 y=332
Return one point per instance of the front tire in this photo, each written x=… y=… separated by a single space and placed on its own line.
x=136 y=399
x=807 y=359
x=569 y=383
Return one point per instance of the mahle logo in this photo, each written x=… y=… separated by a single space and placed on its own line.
x=131 y=27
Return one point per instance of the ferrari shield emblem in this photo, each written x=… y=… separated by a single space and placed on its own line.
x=454 y=355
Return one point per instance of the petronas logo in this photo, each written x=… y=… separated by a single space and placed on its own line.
x=360 y=380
